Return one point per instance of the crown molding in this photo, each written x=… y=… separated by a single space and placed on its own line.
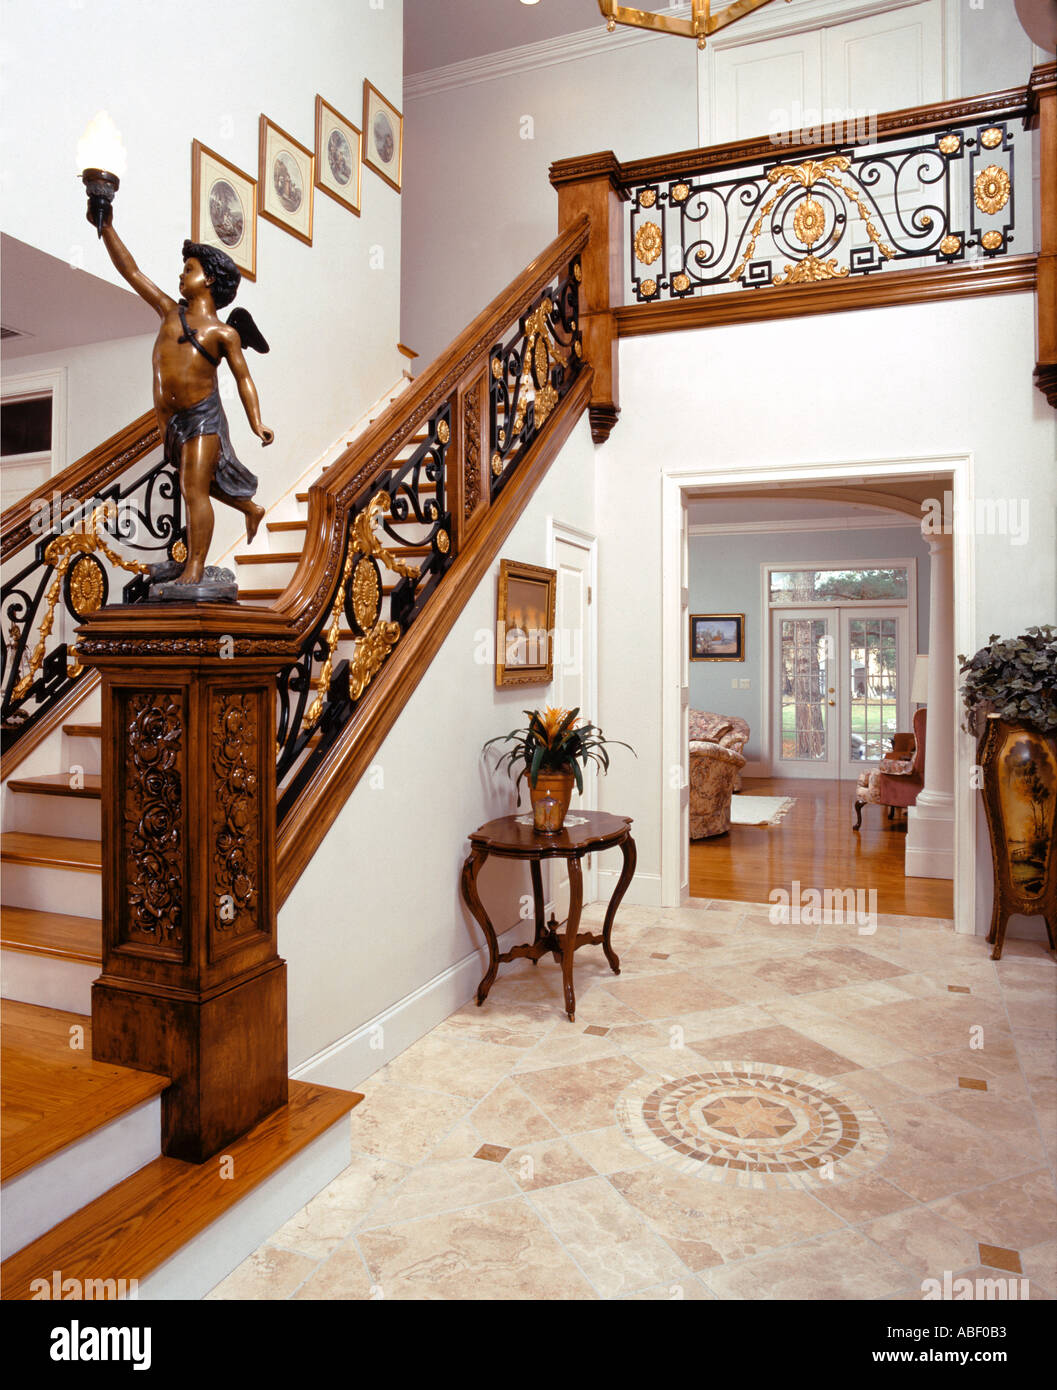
x=530 y=57
x=821 y=523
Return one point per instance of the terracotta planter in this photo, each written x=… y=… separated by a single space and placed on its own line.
x=559 y=784
x=1020 y=795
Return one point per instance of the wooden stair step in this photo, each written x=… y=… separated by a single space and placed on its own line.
x=270 y=557
x=259 y=593
x=52 y=934
x=287 y=525
x=83 y=730
x=53 y=851
x=58 y=784
x=54 y=1094
x=137 y=1225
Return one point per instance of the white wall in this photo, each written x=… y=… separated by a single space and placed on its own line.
x=478 y=203
x=174 y=70
x=378 y=916
x=934 y=379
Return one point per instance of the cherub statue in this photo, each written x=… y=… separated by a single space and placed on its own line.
x=190 y=346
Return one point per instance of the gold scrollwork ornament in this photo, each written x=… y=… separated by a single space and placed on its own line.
x=951 y=245
x=991 y=137
x=648 y=288
x=991 y=241
x=950 y=144
x=991 y=189
x=443 y=432
x=86 y=586
x=809 y=221
x=680 y=192
x=647 y=197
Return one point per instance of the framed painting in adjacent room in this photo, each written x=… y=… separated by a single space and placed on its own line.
x=717 y=636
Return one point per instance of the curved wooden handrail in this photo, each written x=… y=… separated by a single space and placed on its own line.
x=312 y=583
x=82 y=478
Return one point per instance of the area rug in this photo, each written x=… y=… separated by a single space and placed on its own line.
x=758 y=810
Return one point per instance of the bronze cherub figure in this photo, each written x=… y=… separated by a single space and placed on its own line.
x=191 y=344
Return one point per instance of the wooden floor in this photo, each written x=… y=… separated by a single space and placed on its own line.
x=816 y=845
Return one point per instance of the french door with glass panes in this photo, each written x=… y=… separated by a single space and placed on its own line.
x=840 y=682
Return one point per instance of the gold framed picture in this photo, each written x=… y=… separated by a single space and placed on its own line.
x=224 y=208
x=339 y=152
x=286 y=176
x=383 y=136
x=524 y=653
x=717 y=636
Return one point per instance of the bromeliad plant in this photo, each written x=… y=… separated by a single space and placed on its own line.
x=554 y=741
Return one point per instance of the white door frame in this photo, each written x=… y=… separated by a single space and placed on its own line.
x=675 y=487
x=561 y=531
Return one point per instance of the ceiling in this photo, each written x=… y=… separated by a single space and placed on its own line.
x=439 y=32
x=59 y=307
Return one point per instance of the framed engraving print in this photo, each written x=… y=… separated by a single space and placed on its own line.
x=224 y=208
x=286 y=175
x=338 y=156
x=383 y=136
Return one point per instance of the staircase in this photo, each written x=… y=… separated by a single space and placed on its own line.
x=96 y=1204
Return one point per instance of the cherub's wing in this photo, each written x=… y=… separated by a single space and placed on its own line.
x=241 y=320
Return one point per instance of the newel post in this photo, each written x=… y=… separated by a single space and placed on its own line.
x=592 y=185
x=1042 y=91
x=192 y=984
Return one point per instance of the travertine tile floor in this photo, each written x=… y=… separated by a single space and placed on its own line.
x=906 y=1126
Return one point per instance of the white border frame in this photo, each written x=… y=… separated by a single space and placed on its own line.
x=675 y=486
x=24 y=387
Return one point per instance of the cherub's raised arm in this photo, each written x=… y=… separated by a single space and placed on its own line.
x=127 y=267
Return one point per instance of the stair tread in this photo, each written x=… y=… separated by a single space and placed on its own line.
x=138 y=1224
x=52 y=934
x=259 y=593
x=290 y=557
x=287 y=525
x=23 y=847
x=83 y=730
x=54 y=1094
x=58 y=784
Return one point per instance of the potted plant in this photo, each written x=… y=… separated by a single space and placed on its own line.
x=551 y=752
x=1010 y=697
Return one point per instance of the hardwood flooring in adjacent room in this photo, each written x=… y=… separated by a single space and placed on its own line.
x=816 y=845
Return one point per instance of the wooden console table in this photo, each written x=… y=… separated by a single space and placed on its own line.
x=508 y=838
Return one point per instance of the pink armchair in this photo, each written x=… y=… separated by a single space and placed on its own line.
x=895 y=782
x=713 y=769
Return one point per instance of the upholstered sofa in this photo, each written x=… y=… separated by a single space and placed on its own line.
x=725 y=729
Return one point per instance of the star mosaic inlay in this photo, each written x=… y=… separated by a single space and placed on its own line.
x=753 y=1124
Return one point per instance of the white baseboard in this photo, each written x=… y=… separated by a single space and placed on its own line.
x=362 y=1052
x=644 y=890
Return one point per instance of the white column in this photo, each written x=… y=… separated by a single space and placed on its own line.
x=930 y=823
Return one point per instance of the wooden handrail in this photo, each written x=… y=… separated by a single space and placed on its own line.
x=312 y=582
x=83 y=478
x=910 y=120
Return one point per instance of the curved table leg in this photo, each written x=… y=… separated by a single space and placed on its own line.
x=572 y=926
x=470 y=870
x=626 y=874
x=537 y=898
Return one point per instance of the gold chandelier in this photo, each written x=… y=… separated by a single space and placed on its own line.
x=701 y=23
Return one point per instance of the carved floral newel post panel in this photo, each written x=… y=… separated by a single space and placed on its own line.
x=192 y=983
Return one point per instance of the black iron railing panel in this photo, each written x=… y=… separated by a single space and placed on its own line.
x=81 y=554
x=532 y=372
x=939 y=198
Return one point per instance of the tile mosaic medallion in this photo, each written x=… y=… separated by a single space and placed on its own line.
x=753 y=1124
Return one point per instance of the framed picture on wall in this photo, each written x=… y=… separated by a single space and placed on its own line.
x=338 y=156
x=286 y=174
x=224 y=208
x=383 y=136
x=717 y=636
x=525 y=624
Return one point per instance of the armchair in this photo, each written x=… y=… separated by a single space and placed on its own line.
x=725 y=729
x=895 y=782
x=713 y=770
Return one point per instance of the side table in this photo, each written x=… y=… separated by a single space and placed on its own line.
x=511 y=838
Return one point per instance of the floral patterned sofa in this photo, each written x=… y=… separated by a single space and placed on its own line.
x=716 y=761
